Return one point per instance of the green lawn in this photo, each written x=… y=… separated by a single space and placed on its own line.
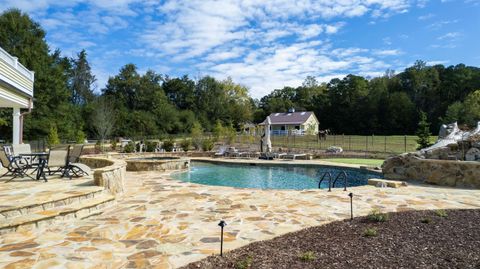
x=373 y=162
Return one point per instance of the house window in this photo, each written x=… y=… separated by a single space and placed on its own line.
x=297 y=127
x=282 y=128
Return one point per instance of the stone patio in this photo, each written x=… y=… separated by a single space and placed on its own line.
x=163 y=223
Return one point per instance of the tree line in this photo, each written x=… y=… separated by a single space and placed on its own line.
x=137 y=105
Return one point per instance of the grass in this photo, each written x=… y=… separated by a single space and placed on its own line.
x=371 y=143
x=426 y=220
x=370 y=232
x=370 y=162
x=441 y=213
x=307 y=256
x=244 y=263
x=377 y=216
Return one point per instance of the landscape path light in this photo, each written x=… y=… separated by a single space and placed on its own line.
x=222 y=224
x=351 y=205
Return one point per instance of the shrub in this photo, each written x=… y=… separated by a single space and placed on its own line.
x=441 y=213
x=307 y=256
x=244 y=263
x=370 y=232
x=80 y=137
x=98 y=146
x=423 y=132
x=129 y=148
x=196 y=134
x=218 y=131
x=186 y=144
x=168 y=145
x=150 y=146
x=113 y=145
x=426 y=220
x=52 y=138
x=377 y=216
x=207 y=144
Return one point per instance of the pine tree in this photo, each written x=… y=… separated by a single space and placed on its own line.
x=423 y=131
x=81 y=80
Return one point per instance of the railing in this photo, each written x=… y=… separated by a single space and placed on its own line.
x=328 y=175
x=341 y=175
x=329 y=181
x=13 y=61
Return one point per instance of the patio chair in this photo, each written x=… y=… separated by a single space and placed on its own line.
x=8 y=150
x=14 y=167
x=57 y=158
x=73 y=166
x=18 y=149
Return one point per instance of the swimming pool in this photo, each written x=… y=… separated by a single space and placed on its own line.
x=270 y=177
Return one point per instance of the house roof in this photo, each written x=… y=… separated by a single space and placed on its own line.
x=289 y=118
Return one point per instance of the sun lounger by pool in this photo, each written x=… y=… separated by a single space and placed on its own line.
x=294 y=156
x=221 y=152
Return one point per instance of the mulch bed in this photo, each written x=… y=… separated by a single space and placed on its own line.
x=412 y=239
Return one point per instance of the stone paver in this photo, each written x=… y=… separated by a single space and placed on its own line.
x=163 y=223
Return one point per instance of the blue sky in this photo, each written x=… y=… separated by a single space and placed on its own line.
x=263 y=45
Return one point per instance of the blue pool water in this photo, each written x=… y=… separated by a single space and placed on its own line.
x=269 y=177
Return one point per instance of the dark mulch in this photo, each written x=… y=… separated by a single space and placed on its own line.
x=413 y=239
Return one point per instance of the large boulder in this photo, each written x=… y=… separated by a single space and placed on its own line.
x=472 y=154
x=334 y=149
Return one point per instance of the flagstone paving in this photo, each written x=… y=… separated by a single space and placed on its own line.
x=163 y=223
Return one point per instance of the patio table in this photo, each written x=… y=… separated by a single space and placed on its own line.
x=42 y=163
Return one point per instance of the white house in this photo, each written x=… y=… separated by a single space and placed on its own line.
x=293 y=123
x=16 y=90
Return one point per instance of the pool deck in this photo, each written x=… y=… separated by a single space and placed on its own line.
x=163 y=223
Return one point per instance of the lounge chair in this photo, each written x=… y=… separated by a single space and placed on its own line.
x=231 y=152
x=14 y=167
x=267 y=155
x=221 y=151
x=73 y=166
x=246 y=153
x=294 y=156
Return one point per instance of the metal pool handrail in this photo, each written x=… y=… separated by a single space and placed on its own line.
x=344 y=174
x=339 y=176
x=329 y=180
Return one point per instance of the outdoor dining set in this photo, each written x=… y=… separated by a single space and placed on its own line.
x=21 y=162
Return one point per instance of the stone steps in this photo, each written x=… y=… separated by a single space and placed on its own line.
x=44 y=202
x=77 y=207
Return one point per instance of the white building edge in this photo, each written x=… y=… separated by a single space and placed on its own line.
x=16 y=91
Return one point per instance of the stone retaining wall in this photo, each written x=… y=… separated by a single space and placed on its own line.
x=176 y=163
x=108 y=173
x=409 y=166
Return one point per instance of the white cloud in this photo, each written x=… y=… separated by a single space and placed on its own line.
x=450 y=36
x=440 y=24
x=426 y=17
x=436 y=62
x=387 y=52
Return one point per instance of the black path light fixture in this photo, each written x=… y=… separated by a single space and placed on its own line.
x=351 y=205
x=222 y=224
